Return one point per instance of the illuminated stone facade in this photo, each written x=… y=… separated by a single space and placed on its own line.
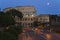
x=43 y=18
x=28 y=11
x=29 y=14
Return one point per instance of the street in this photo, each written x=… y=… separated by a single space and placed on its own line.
x=38 y=35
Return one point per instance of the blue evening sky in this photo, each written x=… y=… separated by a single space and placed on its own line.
x=41 y=6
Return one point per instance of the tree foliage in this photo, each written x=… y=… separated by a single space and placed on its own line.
x=14 y=12
x=35 y=23
x=6 y=20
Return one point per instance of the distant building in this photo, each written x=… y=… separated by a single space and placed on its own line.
x=55 y=23
x=43 y=18
x=54 y=20
x=58 y=20
x=51 y=19
x=7 y=9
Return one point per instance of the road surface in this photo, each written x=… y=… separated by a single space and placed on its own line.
x=38 y=35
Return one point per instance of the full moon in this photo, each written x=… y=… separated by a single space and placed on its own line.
x=48 y=3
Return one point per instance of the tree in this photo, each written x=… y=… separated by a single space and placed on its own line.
x=12 y=33
x=6 y=20
x=35 y=23
x=14 y=12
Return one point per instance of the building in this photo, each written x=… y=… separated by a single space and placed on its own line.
x=43 y=18
x=28 y=12
x=54 y=20
x=55 y=23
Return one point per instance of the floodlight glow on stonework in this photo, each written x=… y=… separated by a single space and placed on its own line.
x=32 y=15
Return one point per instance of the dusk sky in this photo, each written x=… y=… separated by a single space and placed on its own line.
x=41 y=6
